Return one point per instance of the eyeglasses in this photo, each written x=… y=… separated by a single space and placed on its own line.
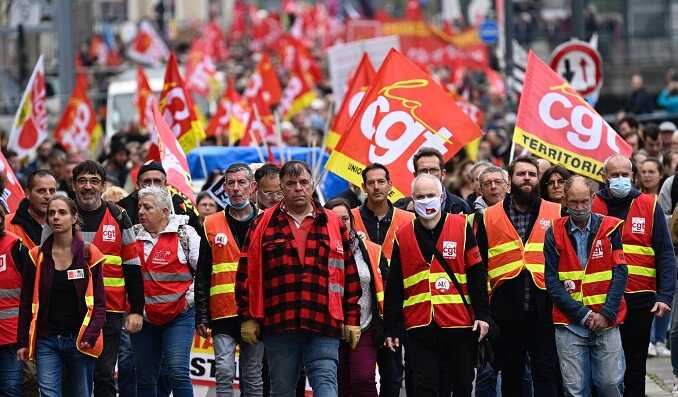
x=91 y=181
x=554 y=182
x=277 y=194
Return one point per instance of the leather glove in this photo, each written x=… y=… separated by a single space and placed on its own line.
x=352 y=335
x=249 y=331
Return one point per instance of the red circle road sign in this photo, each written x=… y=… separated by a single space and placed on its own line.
x=580 y=65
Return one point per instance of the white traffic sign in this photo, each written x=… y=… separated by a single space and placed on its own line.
x=580 y=65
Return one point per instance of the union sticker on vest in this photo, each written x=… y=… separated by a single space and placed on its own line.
x=545 y=223
x=638 y=225
x=597 y=250
x=109 y=233
x=442 y=284
x=221 y=239
x=3 y=263
x=449 y=249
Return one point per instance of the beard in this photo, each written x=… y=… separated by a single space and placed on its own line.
x=525 y=198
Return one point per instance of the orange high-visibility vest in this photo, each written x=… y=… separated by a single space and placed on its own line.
x=225 y=256
x=374 y=255
x=95 y=258
x=400 y=218
x=10 y=291
x=18 y=230
x=429 y=292
x=507 y=256
x=108 y=239
x=588 y=286
x=637 y=240
x=166 y=280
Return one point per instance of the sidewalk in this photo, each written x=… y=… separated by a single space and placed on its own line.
x=659 y=379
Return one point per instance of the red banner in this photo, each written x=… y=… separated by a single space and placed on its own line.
x=357 y=87
x=30 y=122
x=13 y=192
x=144 y=99
x=78 y=127
x=404 y=110
x=555 y=123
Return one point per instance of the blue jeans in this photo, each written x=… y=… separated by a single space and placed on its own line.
x=127 y=375
x=251 y=362
x=287 y=352
x=10 y=372
x=595 y=361
x=169 y=344
x=55 y=352
x=659 y=327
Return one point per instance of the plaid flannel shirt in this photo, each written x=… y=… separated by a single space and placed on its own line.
x=296 y=294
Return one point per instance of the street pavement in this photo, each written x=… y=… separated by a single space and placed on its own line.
x=659 y=379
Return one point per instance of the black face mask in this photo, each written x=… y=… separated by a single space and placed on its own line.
x=522 y=197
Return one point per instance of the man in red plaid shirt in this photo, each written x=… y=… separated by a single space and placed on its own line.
x=298 y=287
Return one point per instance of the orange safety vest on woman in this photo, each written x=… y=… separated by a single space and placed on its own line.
x=166 y=280
x=400 y=218
x=507 y=256
x=430 y=294
x=335 y=266
x=374 y=255
x=10 y=291
x=95 y=258
x=225 y=256
x=588 y=286
x=637 y=240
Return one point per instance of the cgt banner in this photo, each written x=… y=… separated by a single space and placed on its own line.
x=555 y=123
x=403 y=111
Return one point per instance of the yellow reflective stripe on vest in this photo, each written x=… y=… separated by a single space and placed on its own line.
x=605 y=275
x=577 y=296
x=447 y=299
x=419 y=298
x=89 y=300
x=222 y=289
x=502 y=248
x=114 y=282
x=642 y=271
x=85 y=321
x=509 y=267
x=595 y=299
x=380 y=296
x=638 y=250
x=416 y=278
x=461 y=278
x=112 y=260
x=225 y=267
x=534 y=268
x=534 y=247
x=573 y=275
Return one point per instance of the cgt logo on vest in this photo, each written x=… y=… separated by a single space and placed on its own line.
x=161 y=257
x=638 y=225
x=108 y=233
x=442 y=284
x=597 y=250
x=221 y=239
x=450 y=249
x=544 y=223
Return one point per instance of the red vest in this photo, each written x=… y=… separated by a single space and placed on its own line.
x=18 y=231
x=335 y=265
x=95 y=258
x=374 y=256
x=10 y=291
x=637 y=239
x=507 y=256
x=429 y=292
x=400 y=218
x=225 y=256
x=588 y=286
x=108 y=239
x=166 y=280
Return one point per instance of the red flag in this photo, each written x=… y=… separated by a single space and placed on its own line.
x=200 y=70
x=13 y=192
x=215 y=42
x=265 y=79
x=144 y=99
x=413 y=10
x=298 y=94
x=404 y=110
x=262 y=124
x=357 y=87
x=148 y=47
x=554 y=122
x=178 y=110
x=78 y=127
x=220 y=122
x=172 y=156
x=293 y=51
x=241 y=117
x=30 y=122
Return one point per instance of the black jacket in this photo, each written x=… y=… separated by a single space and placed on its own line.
x=22 y=218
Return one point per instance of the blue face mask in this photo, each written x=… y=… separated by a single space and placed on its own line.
x=241 y=206
x=620 y=186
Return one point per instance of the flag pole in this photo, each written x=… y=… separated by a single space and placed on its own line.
x=330 y=117
x=263 y=140
x=513 y=149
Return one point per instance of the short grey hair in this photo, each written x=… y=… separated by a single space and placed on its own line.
x=493 y=169
x=161 y=196
x=482 y=163
x=607 y=160
x=237 y=167
x=430 y=177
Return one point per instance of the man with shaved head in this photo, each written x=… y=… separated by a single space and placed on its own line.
x=648 y=251
x=585 y=276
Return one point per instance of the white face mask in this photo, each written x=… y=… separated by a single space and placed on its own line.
x=427 y=208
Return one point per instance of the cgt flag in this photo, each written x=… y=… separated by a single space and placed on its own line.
x=144 y=98
x=555 y=123
x=30 y=122
x=13 y=193
x=220 y=123
x=357 y=87
x=178 y=110
x=403 y=111
x=298 y=94
x=264 y=79
x=78 y=127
